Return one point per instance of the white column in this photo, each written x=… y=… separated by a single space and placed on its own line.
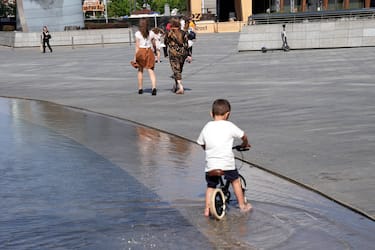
x=105 y=11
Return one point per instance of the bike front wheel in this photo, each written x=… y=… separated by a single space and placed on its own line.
x=217 y=202
x=243 y=186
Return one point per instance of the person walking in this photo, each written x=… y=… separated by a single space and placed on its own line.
x=144 y=55
x=45 y=39
x=159 y=33
x=177 y=42
x=167 y=29
x=190 y=29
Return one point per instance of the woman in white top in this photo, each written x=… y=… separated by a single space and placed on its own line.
x=158 y=43
x=144 y=55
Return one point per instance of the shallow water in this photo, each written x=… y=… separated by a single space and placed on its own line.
x=75 y=179
x=57 y=193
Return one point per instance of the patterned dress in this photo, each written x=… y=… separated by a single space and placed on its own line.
x=178 y=51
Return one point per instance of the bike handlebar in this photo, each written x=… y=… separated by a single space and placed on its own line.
x=240 y=148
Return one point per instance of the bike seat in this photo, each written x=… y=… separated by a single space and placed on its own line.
x=216 y=172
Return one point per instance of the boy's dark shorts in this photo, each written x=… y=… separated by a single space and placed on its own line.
x=213 y=181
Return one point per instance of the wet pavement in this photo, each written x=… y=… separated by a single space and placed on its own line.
x=76 y=179
x=56 y=192
x=309 y=116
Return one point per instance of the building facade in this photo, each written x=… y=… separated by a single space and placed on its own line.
x=294 y=6
x=93 y=8
x=32 y=15
x=223 y=10
x=240 y=10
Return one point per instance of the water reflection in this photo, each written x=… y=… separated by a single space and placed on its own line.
x=57 y=193
x=74 y=179
x=151 y=141
x=175 y=174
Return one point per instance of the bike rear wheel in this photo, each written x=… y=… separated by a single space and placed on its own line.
x=218 y=205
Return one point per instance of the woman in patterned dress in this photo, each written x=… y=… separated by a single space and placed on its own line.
x=177 y=42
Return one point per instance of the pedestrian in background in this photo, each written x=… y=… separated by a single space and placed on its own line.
x=190 y=29
x=144 y=55
x=177 y=42
x=159 y=33
x=167 y=29
x=46 y=36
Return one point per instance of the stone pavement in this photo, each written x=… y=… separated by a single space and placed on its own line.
x=309 y=114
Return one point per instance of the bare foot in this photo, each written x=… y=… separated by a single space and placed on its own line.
x=180 y=91
x=246 y=207
x=206 y=212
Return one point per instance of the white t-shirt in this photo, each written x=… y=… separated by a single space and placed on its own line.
x=218 y=137
x=145 y=42
x=157 y=41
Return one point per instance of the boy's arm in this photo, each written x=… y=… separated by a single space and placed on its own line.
x=201 y=141
x=245 y=141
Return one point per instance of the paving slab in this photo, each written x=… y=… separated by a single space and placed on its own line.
x=309 y=114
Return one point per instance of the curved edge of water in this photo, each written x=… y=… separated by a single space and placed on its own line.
x=287 y=178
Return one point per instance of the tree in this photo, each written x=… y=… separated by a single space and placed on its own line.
x=7 y=10
x=118 y=8
x=158 y=5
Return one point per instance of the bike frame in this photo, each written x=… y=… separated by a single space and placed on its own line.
x=221 y=194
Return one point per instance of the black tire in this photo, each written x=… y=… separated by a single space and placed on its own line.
x=218 y=205
x=243 y=182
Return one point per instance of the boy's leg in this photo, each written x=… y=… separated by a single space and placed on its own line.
x=209 y=192
x=245 y=207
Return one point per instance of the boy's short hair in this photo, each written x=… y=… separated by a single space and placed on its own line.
x=220 y=107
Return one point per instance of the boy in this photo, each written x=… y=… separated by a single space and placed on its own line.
x=217 y=138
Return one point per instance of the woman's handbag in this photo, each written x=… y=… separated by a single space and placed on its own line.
x=134 y=64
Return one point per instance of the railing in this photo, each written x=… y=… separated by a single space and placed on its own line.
x=311 y=16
